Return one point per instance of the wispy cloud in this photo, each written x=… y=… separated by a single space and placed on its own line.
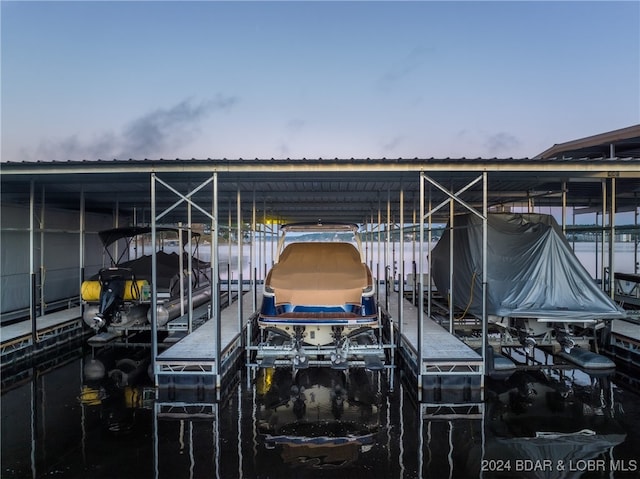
x=407 y=65
x=295 y=125
x=478 y=144
x=292 y=129
x=158 y=133
x=391 y=145
x=501 y=143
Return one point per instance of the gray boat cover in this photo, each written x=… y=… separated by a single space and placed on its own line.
x=532 y=271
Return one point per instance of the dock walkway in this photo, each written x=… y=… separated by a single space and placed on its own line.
x=627 y=329
x=448 y=369
x=191 y=362
x=625 y=341
x=52 y=329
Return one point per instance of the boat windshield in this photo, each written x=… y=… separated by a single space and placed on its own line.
x=325 y=233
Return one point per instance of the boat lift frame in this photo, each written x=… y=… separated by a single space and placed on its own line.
x=444 y=367
x=160 y=368
x=379 y=355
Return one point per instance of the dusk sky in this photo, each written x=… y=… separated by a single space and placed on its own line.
x=209 y=79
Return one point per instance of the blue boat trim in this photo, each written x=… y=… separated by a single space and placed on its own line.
x=301 y=440
x=318 y=321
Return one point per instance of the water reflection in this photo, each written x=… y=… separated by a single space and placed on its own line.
x=547 y=425
x=115 y=382
x=319 y=417
x=98 y=417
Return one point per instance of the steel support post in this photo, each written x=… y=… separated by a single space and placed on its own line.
x=240 y=264
x=154 y=286
x=612 y=238
x=252 y=256
x=485 y=235
x=420 y=287
x=189 y=270
x=564 y=208
x=387 y=250
x=215 y=280
x=635 y=238
x=41 y=226
x=451 y=246
x=603 y=231
x=401 y=266
x=32 y=266
x=81 y=240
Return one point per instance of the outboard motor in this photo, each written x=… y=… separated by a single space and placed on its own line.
x=112 y=291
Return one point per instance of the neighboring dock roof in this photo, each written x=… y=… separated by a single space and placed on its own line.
x=621 y=143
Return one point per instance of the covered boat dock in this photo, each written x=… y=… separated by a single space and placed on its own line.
x=52 y=214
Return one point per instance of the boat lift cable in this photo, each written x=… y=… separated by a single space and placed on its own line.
x=466 y=309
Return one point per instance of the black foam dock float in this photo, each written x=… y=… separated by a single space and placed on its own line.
x=587 y=359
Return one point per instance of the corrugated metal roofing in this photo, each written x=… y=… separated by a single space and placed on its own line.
x=351 y=190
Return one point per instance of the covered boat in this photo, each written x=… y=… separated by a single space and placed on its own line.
x=319 y=300
x=534 y=279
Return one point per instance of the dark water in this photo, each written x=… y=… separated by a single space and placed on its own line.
x=58 y=423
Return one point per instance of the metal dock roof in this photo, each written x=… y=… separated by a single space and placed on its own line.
x=350 y=190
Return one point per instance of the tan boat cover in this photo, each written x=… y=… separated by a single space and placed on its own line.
x=320 y=274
